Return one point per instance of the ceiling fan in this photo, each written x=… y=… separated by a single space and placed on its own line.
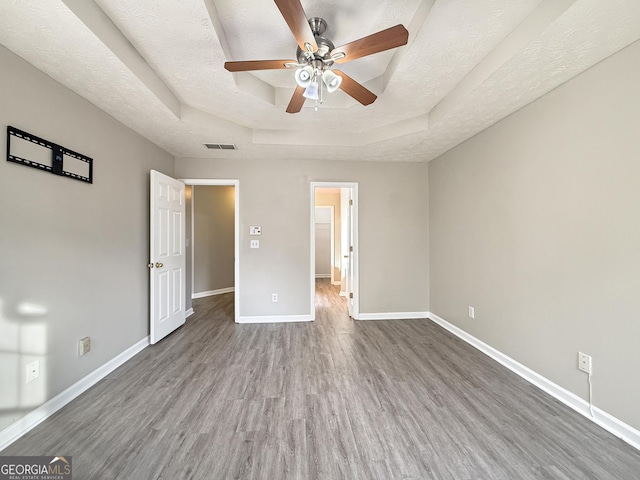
x=316 y=55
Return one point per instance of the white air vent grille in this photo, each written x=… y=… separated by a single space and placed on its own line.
x=220 y=146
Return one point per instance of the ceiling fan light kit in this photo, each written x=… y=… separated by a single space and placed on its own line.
x=316 y=55
x=331 y=80
x=304 y=76
x=312 y=91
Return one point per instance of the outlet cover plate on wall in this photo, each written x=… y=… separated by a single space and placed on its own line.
x=33 y=370
x=84 y=345
x=584 y=362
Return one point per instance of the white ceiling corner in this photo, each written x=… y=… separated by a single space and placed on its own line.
x=157 y=66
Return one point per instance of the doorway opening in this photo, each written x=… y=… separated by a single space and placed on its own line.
x=225 y=276
x=334 y=240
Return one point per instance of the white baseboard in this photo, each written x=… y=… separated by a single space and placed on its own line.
x=392 y=316
x=210 y=293
x=44 y=411
x=275 y=319
x=323 y=275
x=343 y=294
x=603 y=419
x=188 y=313
x=336 y=282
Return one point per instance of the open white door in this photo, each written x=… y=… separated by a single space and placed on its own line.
x=168 y=259
x=344 y=240
x=350 y=241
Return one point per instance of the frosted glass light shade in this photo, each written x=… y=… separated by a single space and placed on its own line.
x=311 y=91
x=331 y=80
x=304 y=76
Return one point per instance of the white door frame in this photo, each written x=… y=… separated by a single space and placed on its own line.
x=236 y=241
x=355 y=257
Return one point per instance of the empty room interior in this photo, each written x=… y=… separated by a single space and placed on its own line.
x=318 y=239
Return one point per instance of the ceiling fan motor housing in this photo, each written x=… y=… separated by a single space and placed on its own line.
x=325 y=46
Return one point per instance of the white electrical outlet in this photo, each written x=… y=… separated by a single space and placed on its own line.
x=255 y=243
x=274 y=297
x=472 y=312
x=84 y=345
x=33 y=371
x=584 y=362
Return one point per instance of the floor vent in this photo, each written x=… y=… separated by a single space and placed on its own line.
x=221 y=146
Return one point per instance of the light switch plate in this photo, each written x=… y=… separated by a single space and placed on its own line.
x=255 y=230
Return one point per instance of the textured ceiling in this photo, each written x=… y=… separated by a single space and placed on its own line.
x=157 y=66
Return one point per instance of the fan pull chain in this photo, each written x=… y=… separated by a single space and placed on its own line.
x=320 y=98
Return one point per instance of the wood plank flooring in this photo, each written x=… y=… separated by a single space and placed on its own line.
x=331 y=399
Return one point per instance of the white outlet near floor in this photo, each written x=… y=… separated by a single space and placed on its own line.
x=274 y=297
x=33 y=370
x=584 y=362
x=472 y=312
x=84 y=345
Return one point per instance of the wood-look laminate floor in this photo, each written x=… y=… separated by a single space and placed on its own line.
x=331 y=399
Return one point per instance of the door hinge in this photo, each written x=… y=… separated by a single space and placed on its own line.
x=351 y=295
x=351 y=248
x=350 y=202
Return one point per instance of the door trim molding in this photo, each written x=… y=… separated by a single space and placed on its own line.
x=356 y=254
x=236 y=241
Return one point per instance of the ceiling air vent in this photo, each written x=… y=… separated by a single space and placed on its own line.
x=220 y=146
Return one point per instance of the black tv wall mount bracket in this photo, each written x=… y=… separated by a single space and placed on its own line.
x=77 y=166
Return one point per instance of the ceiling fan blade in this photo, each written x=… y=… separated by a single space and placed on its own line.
x=257 y=65
x=355 y=90
x=297 y=100
x=378 y=42
x=295 y=17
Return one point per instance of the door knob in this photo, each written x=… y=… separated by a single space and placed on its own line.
x=159 y=265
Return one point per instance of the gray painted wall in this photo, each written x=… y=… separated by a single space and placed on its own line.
x=78 y=252
x=277 y=196
x=214 y=224
x=536 y=223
